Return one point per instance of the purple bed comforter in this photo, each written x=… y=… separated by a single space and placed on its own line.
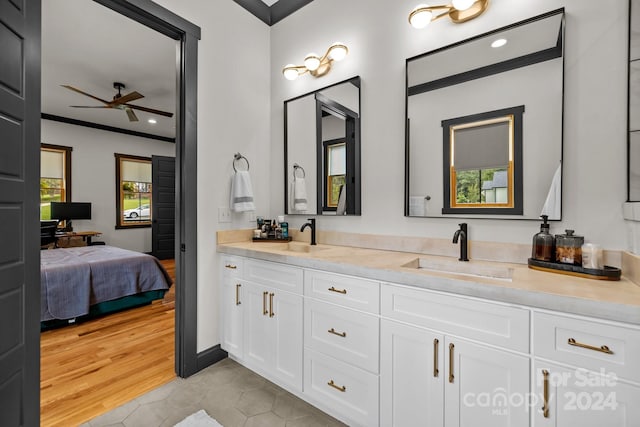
x=72 y=279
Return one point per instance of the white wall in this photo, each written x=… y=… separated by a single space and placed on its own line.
x=380 y=39
x=93 y=176
x=233 y=116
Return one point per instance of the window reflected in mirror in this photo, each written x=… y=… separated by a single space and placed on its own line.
x=482 y=162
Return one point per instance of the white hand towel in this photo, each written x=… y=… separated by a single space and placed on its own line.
x=553 y=203
x=299 y=194
x=342 y=201
x=241 y=192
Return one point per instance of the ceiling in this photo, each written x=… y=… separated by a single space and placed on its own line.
x=89 y=47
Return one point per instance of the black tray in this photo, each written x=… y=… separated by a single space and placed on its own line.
x=272 y=239
x=606 y=273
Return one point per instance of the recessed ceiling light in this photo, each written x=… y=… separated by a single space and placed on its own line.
x=499 y=43
x=152 y=121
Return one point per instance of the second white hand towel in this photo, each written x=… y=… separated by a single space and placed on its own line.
x=299 y=194
x=241 y=193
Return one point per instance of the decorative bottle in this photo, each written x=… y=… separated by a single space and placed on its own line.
x=543 y=243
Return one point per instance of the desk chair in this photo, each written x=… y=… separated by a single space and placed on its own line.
x=48 y=233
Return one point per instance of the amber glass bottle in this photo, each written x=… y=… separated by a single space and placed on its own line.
x=543 y=243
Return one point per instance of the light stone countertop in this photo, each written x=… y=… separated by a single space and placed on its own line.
x=611 y=300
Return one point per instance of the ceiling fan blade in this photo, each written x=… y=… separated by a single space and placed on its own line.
x=131 y=114
x=126 y=98
x=85 y=93
x=150 y=110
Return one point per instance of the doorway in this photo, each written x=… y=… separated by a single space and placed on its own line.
x=19 y=97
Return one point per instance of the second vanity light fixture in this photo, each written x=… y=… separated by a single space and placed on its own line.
x=315 y=65
x=458 y=11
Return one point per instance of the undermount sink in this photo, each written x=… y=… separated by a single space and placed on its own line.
x=471 y=268
x=300 y=247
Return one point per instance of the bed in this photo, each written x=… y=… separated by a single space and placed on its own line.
x=83 y=282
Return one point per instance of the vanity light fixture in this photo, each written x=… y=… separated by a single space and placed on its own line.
x=317 y=65
x=459 y=11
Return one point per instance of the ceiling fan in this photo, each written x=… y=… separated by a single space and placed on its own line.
x=120 y=102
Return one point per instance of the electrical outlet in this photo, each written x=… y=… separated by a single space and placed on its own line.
x=251 y=216
x=224 y=215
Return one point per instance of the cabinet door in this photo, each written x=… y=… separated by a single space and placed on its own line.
x=411 y=376
x=232 y=305
x=576 y=397
x=285 y=319
x=257 y=331
x=484 y=386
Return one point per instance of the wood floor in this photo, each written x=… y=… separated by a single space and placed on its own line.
x=93 y=367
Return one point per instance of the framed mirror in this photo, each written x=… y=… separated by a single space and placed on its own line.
x=484 y=124
x=322 y=151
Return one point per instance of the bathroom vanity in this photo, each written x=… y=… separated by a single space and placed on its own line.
x=385 y=338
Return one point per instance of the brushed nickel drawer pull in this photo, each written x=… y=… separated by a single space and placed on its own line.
x=545 y=394
x=337 y=387
x=340 y=291
x=435 y=357
x=238 y=294
x=264 y=303
x=601 y=349
x=451 y=347
x=340 y=334
x=233 y=267
x=271 y=313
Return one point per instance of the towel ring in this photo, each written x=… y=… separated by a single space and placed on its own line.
x=237 y=157
x=295 y=169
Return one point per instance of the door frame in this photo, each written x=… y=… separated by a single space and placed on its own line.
x=187 y=34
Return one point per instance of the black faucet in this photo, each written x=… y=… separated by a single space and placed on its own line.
x=462 y=232
x=312 y=224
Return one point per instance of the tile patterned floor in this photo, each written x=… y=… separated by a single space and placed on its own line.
x=230 y=393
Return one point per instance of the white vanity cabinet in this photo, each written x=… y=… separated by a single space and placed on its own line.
x=586 y=372
x=341 y=339
x=428 y=373
x=270 y=319
x=232 y=306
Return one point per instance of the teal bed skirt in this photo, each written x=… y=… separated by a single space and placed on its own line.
x=107 y=307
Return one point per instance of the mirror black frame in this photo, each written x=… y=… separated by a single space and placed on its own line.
x=510 y=64
x=353 y=200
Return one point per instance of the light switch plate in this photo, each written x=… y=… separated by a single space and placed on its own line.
x=224 y=215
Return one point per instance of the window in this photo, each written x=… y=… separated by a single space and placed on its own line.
x=133 y=180
x=336 y=172
x=55 y=176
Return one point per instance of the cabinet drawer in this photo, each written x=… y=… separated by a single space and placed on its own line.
x=231 y=265
x=564 y=339
x=349 y=291
x=491 y=323
x=341 y=389
x=274 y=275
x=345 y=334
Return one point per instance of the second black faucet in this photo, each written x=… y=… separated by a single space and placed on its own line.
x=312 y=224
x=462 y=234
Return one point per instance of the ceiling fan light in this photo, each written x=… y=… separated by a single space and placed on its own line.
x=420 y=17
x=312 y=62
x=462 y=4
x=338 y=51
x=290 y=72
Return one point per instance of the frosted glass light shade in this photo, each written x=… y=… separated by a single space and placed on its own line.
x=312 y=62
x=338 y=51
x=290 y=72
x=420 y=19
x=462 y=4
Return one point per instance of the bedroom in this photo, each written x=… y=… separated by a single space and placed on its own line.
x=93 y=137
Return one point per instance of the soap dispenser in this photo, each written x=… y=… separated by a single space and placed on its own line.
x=543 y=243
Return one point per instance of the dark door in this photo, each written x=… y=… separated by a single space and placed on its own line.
x=19 y=212
x=163 y=194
